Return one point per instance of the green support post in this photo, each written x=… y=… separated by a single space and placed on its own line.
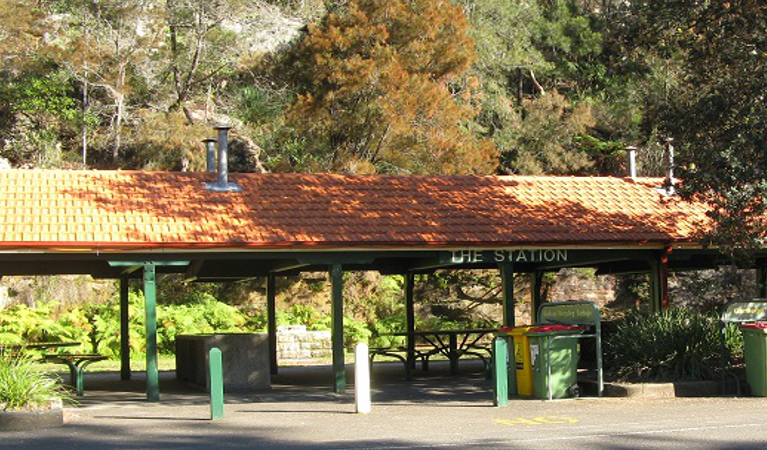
x=125 y=372
x=507 y=282
x=337 y=319
x=271 y=312
x=536 y=280
x=410 y=317
x=216 y=376
x=150 y=296
x=500 y=372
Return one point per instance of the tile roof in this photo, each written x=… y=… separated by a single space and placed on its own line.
x=58 y=209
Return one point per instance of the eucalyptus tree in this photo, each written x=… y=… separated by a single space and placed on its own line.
x=108 y=45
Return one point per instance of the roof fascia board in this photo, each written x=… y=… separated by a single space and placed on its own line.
x=118 y=249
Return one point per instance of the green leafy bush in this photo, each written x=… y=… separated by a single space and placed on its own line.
x=23 y=385
x=677 y=344
x=97 y=326
x=206 y=315
x=303 y=315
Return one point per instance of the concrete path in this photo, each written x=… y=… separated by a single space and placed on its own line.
x=435 y=411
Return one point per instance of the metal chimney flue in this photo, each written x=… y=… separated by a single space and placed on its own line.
x=223 y=154
x=210 y=154
x=632 y=152
x=222 y=183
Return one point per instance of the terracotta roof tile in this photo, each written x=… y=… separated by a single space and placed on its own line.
x=151 y=209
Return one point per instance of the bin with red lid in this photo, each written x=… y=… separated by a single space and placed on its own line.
x=554 y=360
x=755 y=353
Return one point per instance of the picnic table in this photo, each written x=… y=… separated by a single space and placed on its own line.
x=76 y=362
x=453 y=344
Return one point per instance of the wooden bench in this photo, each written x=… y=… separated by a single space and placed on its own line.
x=422 y=353
x=77 y=364
x=485 y=354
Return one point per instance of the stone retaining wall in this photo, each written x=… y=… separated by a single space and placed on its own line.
x=295 y=342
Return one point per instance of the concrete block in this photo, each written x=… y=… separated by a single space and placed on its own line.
x=245 y=358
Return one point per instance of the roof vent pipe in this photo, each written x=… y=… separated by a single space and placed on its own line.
x=669 y=181
x=210 y=154
x=632 y=151
x=222 y=184
x=223 y=154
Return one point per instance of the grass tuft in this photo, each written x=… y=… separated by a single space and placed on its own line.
x=25 y=386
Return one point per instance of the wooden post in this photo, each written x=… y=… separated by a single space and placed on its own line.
x=125 y=372
x=761 y=280
x=150 y=297
x=536 y=281
x=271 y=313
x=507 y=282
x=659 y=281
x=337 y=333
x=410 y=317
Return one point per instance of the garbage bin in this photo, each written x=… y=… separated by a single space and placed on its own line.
x=524 y=370
x=554 y=360
x=755 y=352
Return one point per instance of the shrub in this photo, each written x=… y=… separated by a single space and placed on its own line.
x=23 y=385
x=677 y=344
x=206 y=315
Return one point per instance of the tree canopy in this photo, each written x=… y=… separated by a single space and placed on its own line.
x=716 y=108
x=379 y=90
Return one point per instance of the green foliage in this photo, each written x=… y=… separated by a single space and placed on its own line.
x=23 y=384
x=259 y=104
x=714 y=107
x=97 y=326
x=49 y=95
x=570 y=40
x=459 y=296
x=204 y=316
x=677 y=344
x=303 y=315
x=355 y=331
x=20 y=323
x=40 y=114
x=546 y=137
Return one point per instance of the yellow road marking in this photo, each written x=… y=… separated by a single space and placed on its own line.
x=543 y=420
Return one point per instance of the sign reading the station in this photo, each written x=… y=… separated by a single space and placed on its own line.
x=515 y=256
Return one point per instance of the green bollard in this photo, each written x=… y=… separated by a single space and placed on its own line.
x=216 y=384
x=500 y=372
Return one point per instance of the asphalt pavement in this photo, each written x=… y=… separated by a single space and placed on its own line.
x=434 y=410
